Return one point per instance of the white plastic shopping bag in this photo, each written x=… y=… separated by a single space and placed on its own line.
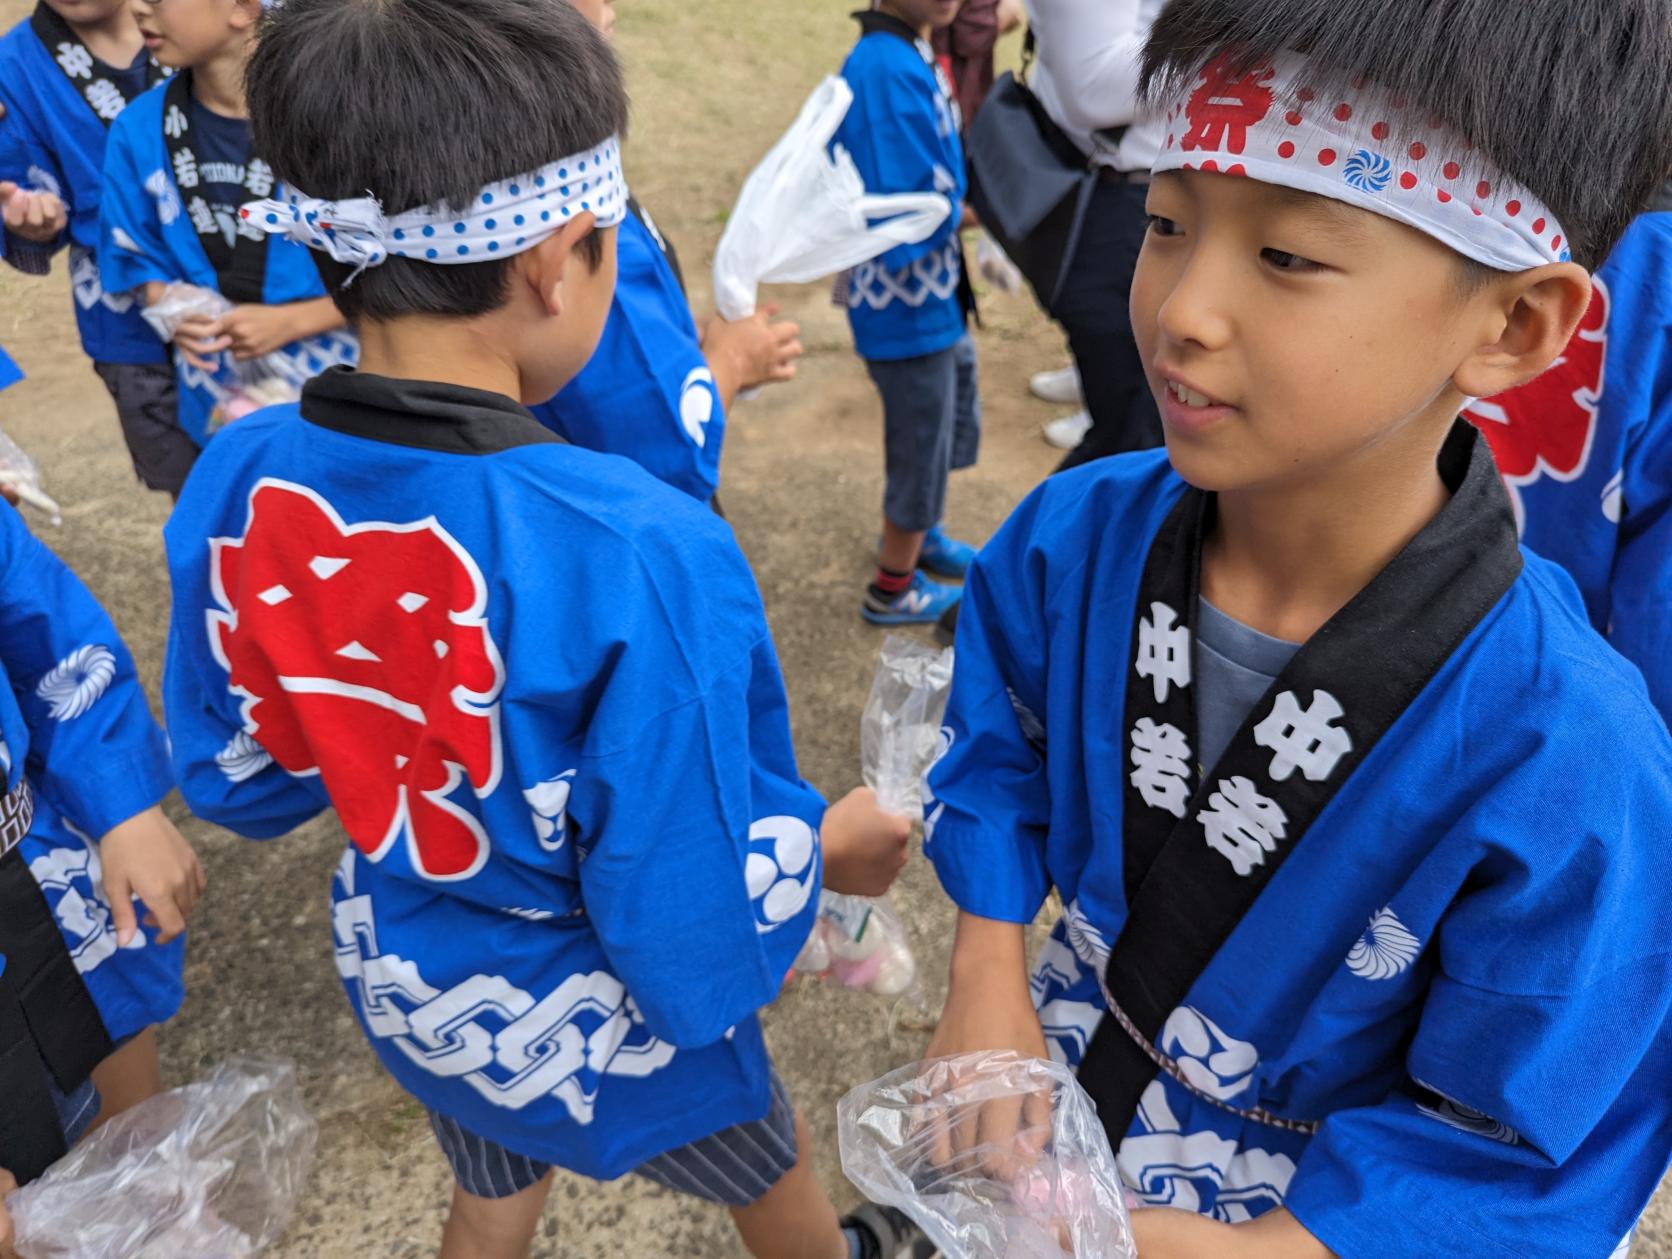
x=804 y=213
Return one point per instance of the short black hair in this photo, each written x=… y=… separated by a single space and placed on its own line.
x=422 y=101
x=1572 y=100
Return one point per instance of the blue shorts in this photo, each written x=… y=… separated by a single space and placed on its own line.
x=931 y=409
x=734 y=1167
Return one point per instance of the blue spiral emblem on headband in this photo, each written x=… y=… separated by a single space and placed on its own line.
x=1367 y=171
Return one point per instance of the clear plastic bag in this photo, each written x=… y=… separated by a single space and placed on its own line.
x=858 y=941
x=22 y=474
x=208 y=1171
x=1053 y=1193
x=239 y=386
x=804 y=213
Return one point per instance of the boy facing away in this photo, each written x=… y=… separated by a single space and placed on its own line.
x=178 y=166
x=1359 y=825
x=909 y=308
x=66 y=72
x=535 y=683
x=658 y=389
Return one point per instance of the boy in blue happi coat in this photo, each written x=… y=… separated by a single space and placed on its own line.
x=1587 y=452
x=178 y=167
x=909 y=308
x=81 y=834
x=66 y=72
x=658 y=389
x=1364 y=944
x=581 y=856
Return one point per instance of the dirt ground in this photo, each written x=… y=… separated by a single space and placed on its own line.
x=713 y=84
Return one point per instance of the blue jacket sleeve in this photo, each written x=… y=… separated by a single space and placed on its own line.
x=685 y=403
x=27 y=162
x=95 y=752
x=987 y=802
x=1538 y=1122
x=1640 y=589
x=893 y=132
x=703 y=861
x=132 y=252
x=225 y=775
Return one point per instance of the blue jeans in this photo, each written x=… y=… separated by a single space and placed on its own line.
x=931 y=407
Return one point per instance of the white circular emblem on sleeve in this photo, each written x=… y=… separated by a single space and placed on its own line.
x=696 y=404
x=779 y=869
x=77 y=681
x=1385 y=950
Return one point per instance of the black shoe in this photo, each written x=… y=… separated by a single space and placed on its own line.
x=946 y=629
x=885 y=1233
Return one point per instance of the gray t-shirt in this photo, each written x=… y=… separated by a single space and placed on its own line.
x=1234 y=667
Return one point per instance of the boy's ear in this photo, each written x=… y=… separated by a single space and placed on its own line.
x=1541 y=309
x=544 y=266
x=246 y=14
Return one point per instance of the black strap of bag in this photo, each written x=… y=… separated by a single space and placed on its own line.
x=1030 y=183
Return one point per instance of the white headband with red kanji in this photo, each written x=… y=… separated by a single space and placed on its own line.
x=1363 y=147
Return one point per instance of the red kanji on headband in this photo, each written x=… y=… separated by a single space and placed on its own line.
x=1225 y=105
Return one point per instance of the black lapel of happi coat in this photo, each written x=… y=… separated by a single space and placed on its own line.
x=237 y=253
x=1201 y=847
x=105 y=96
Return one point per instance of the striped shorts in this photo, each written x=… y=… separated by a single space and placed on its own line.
x=734 y=1167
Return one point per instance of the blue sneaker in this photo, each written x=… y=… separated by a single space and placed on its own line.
x=944 y=556
x=921 y=603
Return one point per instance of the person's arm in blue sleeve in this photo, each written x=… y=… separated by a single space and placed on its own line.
x=225 y=775
x=132 y=253
x=703 y=880
x=34 y=222
x=95 y=753
x=1554 y=955
x=1640 y=587
x=987 y=810
x=703 y=855
x=893 y=133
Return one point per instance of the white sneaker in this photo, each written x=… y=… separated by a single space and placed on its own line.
x=1066 y=433
x=1061 y=386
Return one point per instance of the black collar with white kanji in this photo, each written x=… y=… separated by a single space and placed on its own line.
x=106 y=95
x=1199 y=850
x=421 y=414
x=236 y=250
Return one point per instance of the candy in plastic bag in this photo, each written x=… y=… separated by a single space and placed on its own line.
x=239 y=386
x=22 y=474
x=1050 y=1193
x=858 y=941
x=804 y=214
x=208 y=1171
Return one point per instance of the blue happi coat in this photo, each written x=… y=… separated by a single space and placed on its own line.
x=1442 y=1027
x=74 y=721
x=647 y=392
x=51 y=140
x=1586 y=450
x=147 y=236
x=902 y=131
x=581 y=855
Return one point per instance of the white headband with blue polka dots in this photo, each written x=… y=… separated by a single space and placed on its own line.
x=505 y=218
